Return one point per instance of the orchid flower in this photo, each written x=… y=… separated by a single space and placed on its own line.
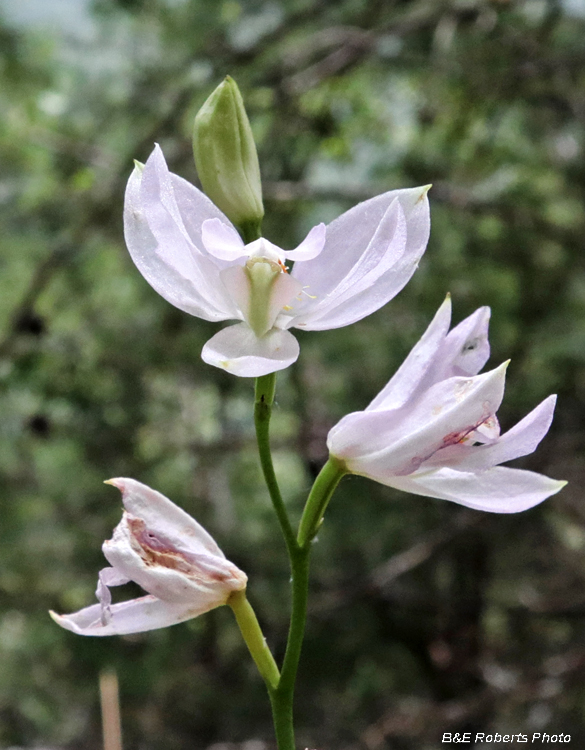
x=433 y=429
x=166 y=552
x=192 y=255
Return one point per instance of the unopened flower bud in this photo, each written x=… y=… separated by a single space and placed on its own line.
x=226 y=158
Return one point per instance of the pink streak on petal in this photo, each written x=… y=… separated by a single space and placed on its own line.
x=521 y=440
x=158 y=512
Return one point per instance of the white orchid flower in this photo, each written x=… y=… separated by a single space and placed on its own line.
x=433 y=429
x=166 y=552
x=191 y=254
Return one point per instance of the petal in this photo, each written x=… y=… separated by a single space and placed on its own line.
x=386 y=443
x=166 y=569
x=521 y=440
x=152 y=212
x=499 y=490
x=134 y=616
x=407 y=378
x=109 y=577
x=347 y=240
x=164 y=276
x=195 y=208
x=221 y=240
x=158 y=512
x=360 y=291
x=310 y=247
x=466 y=348
x=238 y=350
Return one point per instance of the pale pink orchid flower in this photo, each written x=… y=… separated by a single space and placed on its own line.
x=433 y=429
x=192 y=255
x=166 y=552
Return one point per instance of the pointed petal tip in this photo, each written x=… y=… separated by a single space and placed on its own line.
x=424 y=190
x=117 y=482
x=446 y=303
x=486 y=310
x=56 y=618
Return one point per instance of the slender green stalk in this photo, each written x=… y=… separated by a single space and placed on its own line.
x=283 y=697
x=299 y=552
x=321 y=492
x=264 y=398
x=254 y=638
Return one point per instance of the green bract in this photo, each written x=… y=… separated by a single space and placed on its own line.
x=226 y=158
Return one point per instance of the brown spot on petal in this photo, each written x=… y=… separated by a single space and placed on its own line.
x=157 y=551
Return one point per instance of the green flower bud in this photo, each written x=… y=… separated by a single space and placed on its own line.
x=226 y=158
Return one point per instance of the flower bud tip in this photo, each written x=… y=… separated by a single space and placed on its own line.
x=226 y=158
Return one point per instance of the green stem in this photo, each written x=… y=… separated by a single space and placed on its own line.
x=283 y=697
x=321 y=492
x=254 y=638
x=264 y=398
x=251 y=230
x=299 y=552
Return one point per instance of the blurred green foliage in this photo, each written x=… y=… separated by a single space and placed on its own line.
x=424 y=617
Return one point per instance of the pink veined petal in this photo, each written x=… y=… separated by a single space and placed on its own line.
x=158 y=512
x=487 y=432
x=238 y=350
x=134 y=616
x=498 y=490
x=350 y=234
x=521 y=440
x=159 y=271
x=169 y=570
x=158 y=205
x=399 y=441
x=409 y=375
x=310 y=247
x=338 y=307
x=222 y=241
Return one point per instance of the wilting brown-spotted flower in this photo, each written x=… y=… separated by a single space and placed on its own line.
x=166 y=552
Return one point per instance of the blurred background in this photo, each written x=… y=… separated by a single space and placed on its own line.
x=425 y=617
